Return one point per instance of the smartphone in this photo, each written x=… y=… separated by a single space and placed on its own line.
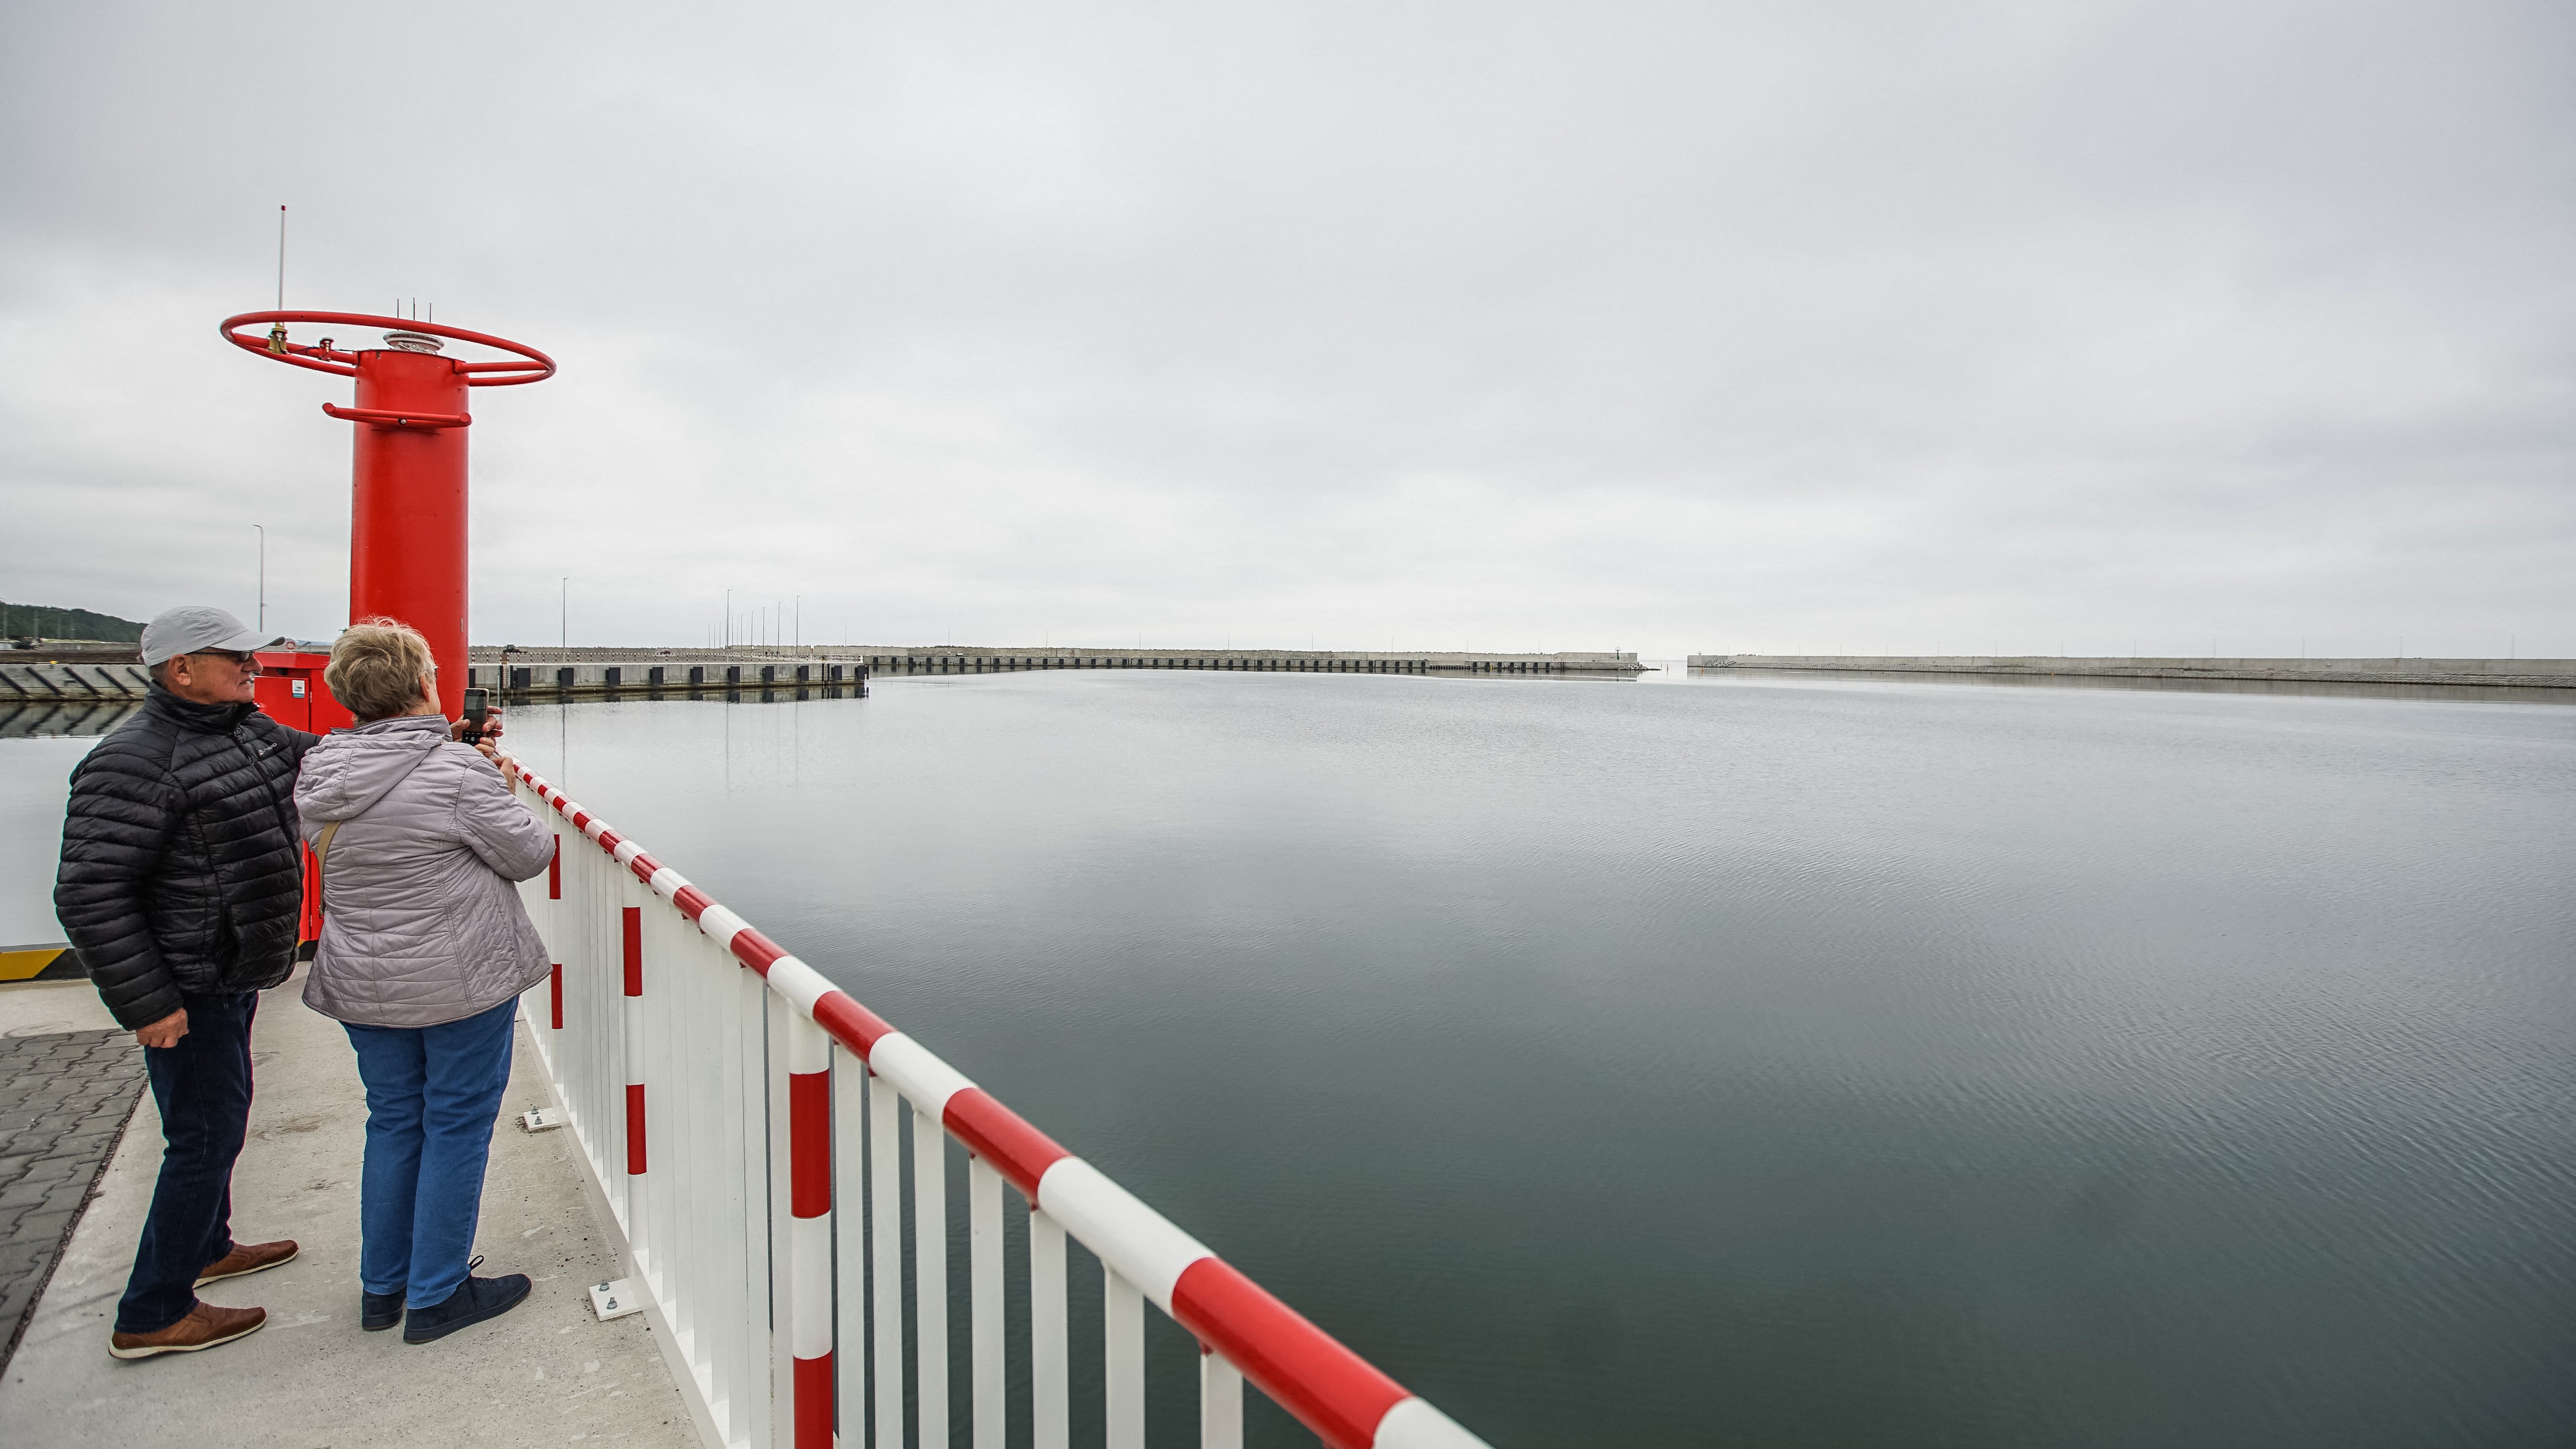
x=478 y=708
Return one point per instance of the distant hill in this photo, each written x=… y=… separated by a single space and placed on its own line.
x=44 y=623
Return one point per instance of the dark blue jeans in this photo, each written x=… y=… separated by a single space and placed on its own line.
x=433 y=1093
x=202 y=1087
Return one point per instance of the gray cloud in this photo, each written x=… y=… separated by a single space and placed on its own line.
x=1659 y=326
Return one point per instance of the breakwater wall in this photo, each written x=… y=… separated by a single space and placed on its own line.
x=79 y=697
x=951 y=659
x=2517 y=673
x=550 y=672
x=581 y=673
x=56 y=698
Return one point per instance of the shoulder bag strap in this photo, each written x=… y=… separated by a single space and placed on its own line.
x=322 y=845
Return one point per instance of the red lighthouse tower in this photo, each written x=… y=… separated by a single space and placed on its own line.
x=407 y=551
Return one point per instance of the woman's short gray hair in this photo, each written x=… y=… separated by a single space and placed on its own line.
x=375 y=668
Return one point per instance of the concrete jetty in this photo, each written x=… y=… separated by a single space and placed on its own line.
x=547 y=1373
x=54 y=681
x=2493 y=673
x=598 y=671
x=950 y=659
x=69 y=696
x=576 y=673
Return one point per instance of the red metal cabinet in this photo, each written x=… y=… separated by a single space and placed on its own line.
x=291 y=692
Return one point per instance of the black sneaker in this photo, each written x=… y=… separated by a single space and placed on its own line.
x=378 y=1311
x=474 y=1300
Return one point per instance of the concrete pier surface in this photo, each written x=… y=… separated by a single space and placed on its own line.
x=2494 y=673
x=547 y=1373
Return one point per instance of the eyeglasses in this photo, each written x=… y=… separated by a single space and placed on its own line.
x=237 y=656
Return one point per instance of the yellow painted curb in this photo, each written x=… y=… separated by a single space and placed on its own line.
x=23 y=963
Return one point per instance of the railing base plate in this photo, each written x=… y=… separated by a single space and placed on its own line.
x=616 y=1299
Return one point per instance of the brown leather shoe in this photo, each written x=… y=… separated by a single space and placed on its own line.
x=204 y=1327
x=248 y=1258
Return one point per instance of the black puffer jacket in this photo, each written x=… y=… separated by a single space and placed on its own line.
x=180 y=870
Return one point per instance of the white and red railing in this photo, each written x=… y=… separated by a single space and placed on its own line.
x=741 y=1116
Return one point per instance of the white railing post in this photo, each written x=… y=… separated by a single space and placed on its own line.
x=885 y=1257
x=1050 y=1398
x=759 y=1372
x=1220 y=1402
x=984 y=1297
x=603 y=1009
x=630 y=1020
x=1122 y=1393
x=930 y=1280
x=849 y=1231
x=681 y=1119
x=777 y=1239
x=809 y=1146
x=580 y=1040
x=730 y=1258
x=658 y=1070
x=552 y=932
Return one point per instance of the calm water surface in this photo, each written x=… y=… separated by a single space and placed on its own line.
x=1770 y=1061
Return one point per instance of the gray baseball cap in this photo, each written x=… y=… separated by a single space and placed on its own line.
x=191 y=628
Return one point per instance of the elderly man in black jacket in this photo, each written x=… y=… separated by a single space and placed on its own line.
x=181 y=884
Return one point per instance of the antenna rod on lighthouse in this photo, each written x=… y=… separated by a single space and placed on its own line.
x=277 y=329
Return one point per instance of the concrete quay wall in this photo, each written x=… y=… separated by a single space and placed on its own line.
x=1609 y=660
x=63 y=699
x=956 y=659
x=2523 y=673
x=562 y=673
x=28 y=683
x=58 y=697
x=593 y=670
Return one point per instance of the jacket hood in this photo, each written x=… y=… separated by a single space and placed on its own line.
x=350 y=770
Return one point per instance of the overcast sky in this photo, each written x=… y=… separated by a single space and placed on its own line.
x=1775 y=327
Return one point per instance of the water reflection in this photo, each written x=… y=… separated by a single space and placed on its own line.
x=1806 y=1061
x=63 y=719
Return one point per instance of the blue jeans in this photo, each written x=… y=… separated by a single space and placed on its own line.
x=433 y=1093
x=202 y=1087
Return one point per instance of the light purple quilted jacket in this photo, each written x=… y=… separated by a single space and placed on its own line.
x=421 y=921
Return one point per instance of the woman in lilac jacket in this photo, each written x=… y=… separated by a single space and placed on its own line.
x=425 y=949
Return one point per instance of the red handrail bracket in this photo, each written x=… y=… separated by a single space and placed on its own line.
x=384 y=418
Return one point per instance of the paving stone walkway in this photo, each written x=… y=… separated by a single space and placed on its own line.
x=64 y=1098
